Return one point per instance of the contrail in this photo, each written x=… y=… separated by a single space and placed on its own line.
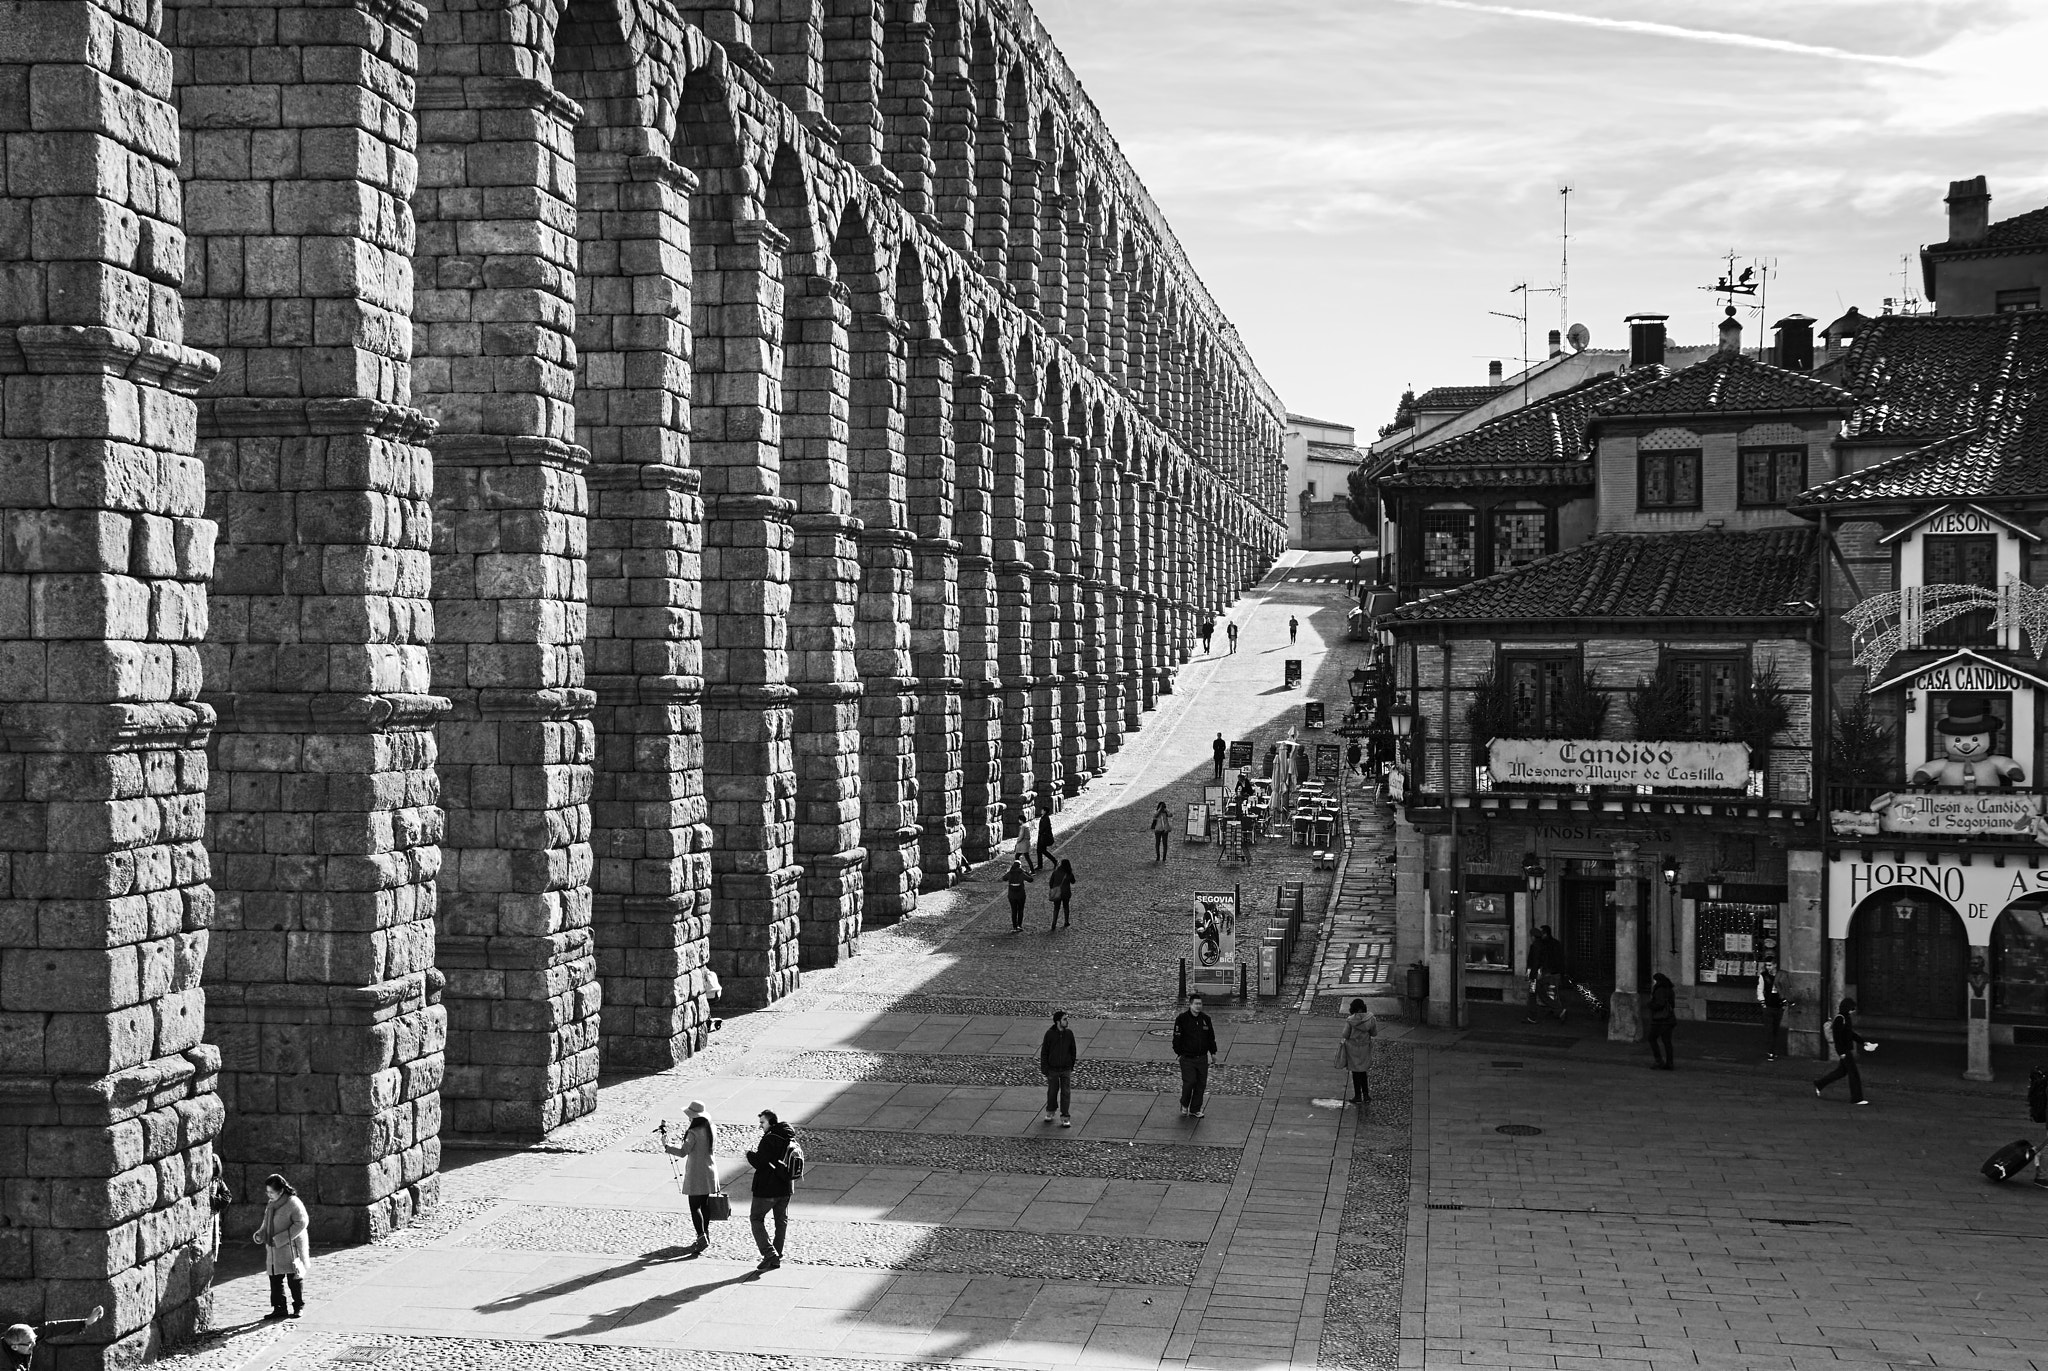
x=1656 y=30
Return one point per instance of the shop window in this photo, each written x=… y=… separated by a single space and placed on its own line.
x=2019 y=963
x=1668 y=480
x=1711 y=684
x=1520 y=536
x=1772 y=476
x=1489 y=933
x=1450 y=543
x=1960 y=559
x=1536 y=688
x=1732 y=941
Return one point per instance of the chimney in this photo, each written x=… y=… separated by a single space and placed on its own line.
x=1795 y=342
x=1646 y=340
x=1969 y=211
x=1493 y=375
x=1556 y=343
x=1731 y=333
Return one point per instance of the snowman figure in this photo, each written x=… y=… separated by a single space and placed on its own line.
x=1969 y=744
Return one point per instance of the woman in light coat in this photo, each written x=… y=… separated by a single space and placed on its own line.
x=1026 y=832
x=700 y=1172
x=286 y=1251
x=1354 y=1053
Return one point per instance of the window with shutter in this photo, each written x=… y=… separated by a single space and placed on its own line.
x=1668 y=480
x=1960 y=559
x=1772 y=476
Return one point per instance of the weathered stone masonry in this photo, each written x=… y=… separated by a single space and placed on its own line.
x=509 y=507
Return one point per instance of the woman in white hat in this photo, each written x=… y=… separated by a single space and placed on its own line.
x=700 y=1172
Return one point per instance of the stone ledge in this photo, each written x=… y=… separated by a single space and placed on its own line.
x=90 y=349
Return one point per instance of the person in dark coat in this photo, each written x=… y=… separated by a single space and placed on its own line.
x=1194 y=1042
x=1773 y=1006
x=1546 y=975
x=18 y=1343
x=1046 y=842
x=1207 y=630
x=1060 y=885
x=1016 y=878
x=1220 y=749
x=1663 y=1019
x=1354 y=1051
x=1162 y=829
x=1057 y=1054
x=1293 y=628
x=774 y=1183
x=1848 y=1043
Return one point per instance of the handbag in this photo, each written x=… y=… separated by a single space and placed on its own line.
x=717 y=1206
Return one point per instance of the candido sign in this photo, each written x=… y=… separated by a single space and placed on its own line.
x=1546 y=761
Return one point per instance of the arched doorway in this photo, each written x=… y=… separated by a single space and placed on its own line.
x=1908 y=956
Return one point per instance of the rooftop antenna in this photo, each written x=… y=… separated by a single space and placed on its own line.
x=1752 y=283
x=1525 y=290
x=1564 y=257
x=1909 y=303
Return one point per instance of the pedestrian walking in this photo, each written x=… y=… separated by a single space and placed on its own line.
x=1162 y=829
x=1353 y=755
x=1220 y=749
x=778 y=1165
x=1208 y=631
x=1848 y=1043
x=1057 y=1054
x=1293 y=628
x=1773 y=1006
x=700 y=1172
x=1663 y=1019
x=1194 y=1042
x=1546 y=976
x=1045 y=838
x=286 y=1251
x=18 y=1343
x=1060 y=885
x=1026 y=832
x=1016 y=878
x=1354 y=1051
x=1231 y=631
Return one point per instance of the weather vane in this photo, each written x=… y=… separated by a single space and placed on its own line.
x=1732 y=283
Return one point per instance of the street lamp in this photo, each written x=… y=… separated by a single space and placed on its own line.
x=1716 y=887
x=1671 y=874
x=1361 y=685
x=1401 y=717
x=1532 y=873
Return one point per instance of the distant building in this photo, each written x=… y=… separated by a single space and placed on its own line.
x=1320 y=457
x=1982 y=267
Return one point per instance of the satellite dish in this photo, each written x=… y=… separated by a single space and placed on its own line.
x=1578 y=337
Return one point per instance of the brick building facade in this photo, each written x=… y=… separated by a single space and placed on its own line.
x=509 y=507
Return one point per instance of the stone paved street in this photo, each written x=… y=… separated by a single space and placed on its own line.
x=1716 y=1217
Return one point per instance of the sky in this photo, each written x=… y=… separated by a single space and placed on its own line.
x=1361 y=182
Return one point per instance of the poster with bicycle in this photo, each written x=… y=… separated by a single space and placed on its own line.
x=1214 y=927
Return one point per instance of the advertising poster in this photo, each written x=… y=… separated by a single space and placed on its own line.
x=1215 y=928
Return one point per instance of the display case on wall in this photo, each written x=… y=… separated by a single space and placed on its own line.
x=1731 y=941
x=1489 y=932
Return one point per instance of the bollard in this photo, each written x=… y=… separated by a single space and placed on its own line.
x=1183 y=978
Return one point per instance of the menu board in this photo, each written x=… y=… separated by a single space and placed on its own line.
x=1329 y=760
x=1732 y=941
x=1240 y=753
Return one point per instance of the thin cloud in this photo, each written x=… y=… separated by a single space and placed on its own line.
x=1656 y=30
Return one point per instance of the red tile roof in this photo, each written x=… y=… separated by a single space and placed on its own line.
x=1729 y=383
x=1539 y=444
x=2029 y=230
x=1920 y=377
x=1702 y=575
x=1456 y=397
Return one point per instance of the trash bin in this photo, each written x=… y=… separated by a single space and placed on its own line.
x=1418 y=989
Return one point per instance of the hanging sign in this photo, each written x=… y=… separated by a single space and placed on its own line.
x=1686 y=765
x=1951 y=813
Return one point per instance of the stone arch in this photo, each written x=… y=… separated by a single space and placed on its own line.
x=907 y=104
x=1908 y=954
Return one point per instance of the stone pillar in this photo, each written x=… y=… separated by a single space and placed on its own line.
x=992 y=195
x=730 y=24
x=1070 y=627
x=953 y=162
x=1151 y=601
x=323 y=828
x=1103 y=337
x=1122 y=303
x=1091 y=636
x=1047 y=742
x=749 y=770
x=1052 y=258
x=1079 y=228
x=791 y=35
x=888 y=713
x=1802 y=955
x=935 y=612
x=1977 y=1006
x=1112 y=516
x=853 y=82
x=824 y=590
x=907 y=111
x=981 y=745
x=1026 y=228
x=1014 y=644
x=496 y=370
x=1625 y=1019
x=1132 y=585
x=108 y=1098
x=651 y=906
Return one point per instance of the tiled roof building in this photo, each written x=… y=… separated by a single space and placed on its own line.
x=1541 y=444
x=1728 y=383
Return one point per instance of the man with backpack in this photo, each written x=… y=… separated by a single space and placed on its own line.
x=1848 y=1042
x=778 y=1164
